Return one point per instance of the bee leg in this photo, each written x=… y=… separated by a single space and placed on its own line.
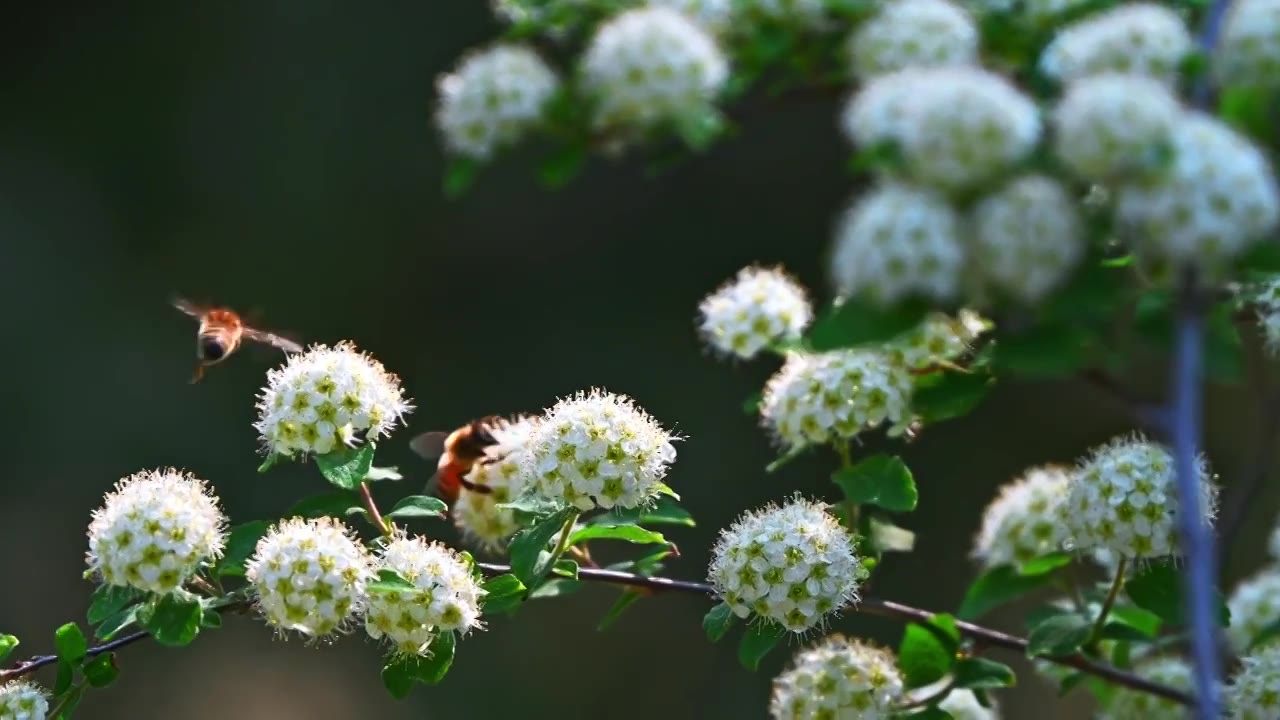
x=199 y=374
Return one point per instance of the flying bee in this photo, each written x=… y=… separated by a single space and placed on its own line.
x=220 y=333
x=456 y=453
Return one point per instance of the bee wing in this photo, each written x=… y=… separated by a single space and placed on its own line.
x=429 y=445
x=189 y=307
x=273 y=339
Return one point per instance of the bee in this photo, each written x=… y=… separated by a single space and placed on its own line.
x=220 y=333
x=456 y=453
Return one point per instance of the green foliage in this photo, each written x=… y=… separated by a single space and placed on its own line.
x=460 y=176
x=418 y=506
x=172 y=620
x=563 y=165
x=108 y=601
x=70 y=642
x=402 y=671
x=241 y=544
x=504 y=592
x=856 y=323
x=664 y=511
x=528 y=549
x=627 y=533
x=995 y=587
x=717 y=621
x=390 y=581
x=564 y=567
x=1128 y=622
x=1157 y=588
x=102 y=670
x=880 y=480
x=760 y=638
x=1262 y=259
x=947 y=394
x=8 y=643
x=339 y=503
x=701 y=128
x=979 y=673
x=928 y=650
x=346 y=468
x=751 y=406
x=1059 y=635
x=1045 y=351
x=268 y=462
x=555 y=587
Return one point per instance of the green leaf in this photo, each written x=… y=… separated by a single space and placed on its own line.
x=418 y=506
x=751 y=406
x=1145 y=622
x=565 y=567
x=102 y=670
x=855 y=322
x=700 y=128
x=529 y=559
x=976 y=672
x=397 y=676
x=108 y=628
x=1049 y=350
x=1045 y=564
x=1095 y=293
x=7 y=645
x=66 y=676
x=880 y=480
x=1059 y=635
x=1158 y=589
x=757 y=641
x=107 y=600
x=555 y=587
x=945 y=395
x=390 y=581
x=530 y=509
x=928 y=650
x=268 y=462
x=503 y=593
x=564 y=164
x=241 y=545
x=718 y=621
x=887 y=537
x=338 y=503
x=172 y=620
x=432 y=669
x=210 y=619
x=459 y=176
x=1248 y=109
x=995 y=587
x=627 y=533
x=70 y=642
x=347 y=467
x=624 y=601
x=380 y=474
x=664 y=511
x=1262 y=257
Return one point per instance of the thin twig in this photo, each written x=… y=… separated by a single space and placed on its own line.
x=383 y=526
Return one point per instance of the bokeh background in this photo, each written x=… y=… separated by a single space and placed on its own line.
x=278 y=157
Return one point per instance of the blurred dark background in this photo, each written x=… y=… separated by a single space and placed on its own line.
x=279 y=157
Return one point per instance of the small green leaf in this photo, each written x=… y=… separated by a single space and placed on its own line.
x=664 y=511
x=346 y=468
x=432 y=669
x=390 y=581
x=945 y=395
x=1059 y=635
x=70 y=642
x=976 y=672
x=1122 y=654
x=564 y=164
x=65 y=677
x=529 y=559
x=1046 y=351
x=995 y=587
x=459 y=176
x=928 y=651
x=1157 y=588
x=1144 y=622
x=338 y=503
x=530 y=509
x=718 y=621
x=268 y=462
x=627 y=533
x=107 y=600
x=172 y=620
x=108 y=628
x=751 y=406
x=503 y=593
x=7 y=645
x=757 y=641
x=624 y=601
x=241 y=544
x=565 y=567
x=210 y=619
x=397 y=676
x=418 y=506
x=880 y=480
x=102 y=671
x=380 y=474
x=700 y=128
x=855 y=322
x=1045 y=564
x=555 y=587
x=1262 y=257
x=887 y=537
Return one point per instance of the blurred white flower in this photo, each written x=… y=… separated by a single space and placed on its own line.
x=964 y=705
x=757 y=308
x=1254 y=693
x=1141 y=38
x=1254 y=606
x=838 y=678
x=1139 y=705
x=492 y=99
x=913 y=33
x=22 y=700
x=1027 y=238
x=1248 y=51
x=1111 y=125
x=477 y=514
x=1024 y=521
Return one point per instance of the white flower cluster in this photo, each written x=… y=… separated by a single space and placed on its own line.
x=756 y=309
x=792 y=565
x=1248 y=50
x=1266 y=302
x=650 y=65
x=1215 y=198
x=21 y=700
x=598 y=449
x=817 y=398
x=492 y=99
x=1123 y=499
x=1254 y=692
x=714 y=15
x=155 y=531
x=913 y=33
x=1138 y=705
x=1254 y=606
x=1141 y=38
x=1023 y=522
x=446 y=598
x=321 y=400
x=1027 y=238
x=310 y=576
x=477 y=514
x=1114 y=125
x=964 y=705
x=937 y=339
x=838 y=678
x=897 y=241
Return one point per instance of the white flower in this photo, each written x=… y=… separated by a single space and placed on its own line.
x=808 y=13
x=962 y=126
x=714 y=15
x=1139 y=38
x=650 y=65
x=310 y=576
x=321 y=399
x=1123 y=498
x=1255 y=606
x=1027 y=237
x=1217 y=197
x=1138 y=705
x=446 y=598
x=939 y=338
x=757 y=308
x=155 y=531
x=1266 y=303
x=792 y=565
x=898 y=241
x=492 y=99
x=838 y=678
x=1111 y=125
x=1248 y=50
x=913 y=33
x=877 y=113
x=1254 y=693
x=22 y=700
x=1023 y=522
x=964 y=705
x=476 y=514
x=817 y=398
x=598 y=449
